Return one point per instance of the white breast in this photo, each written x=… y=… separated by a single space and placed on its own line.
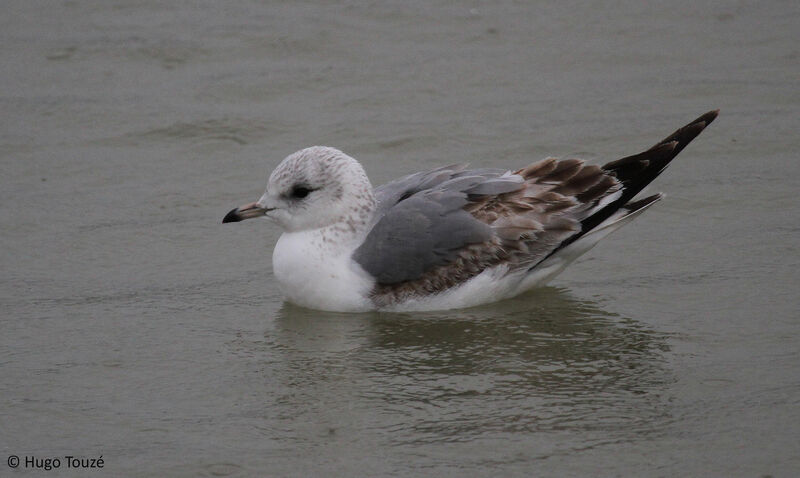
x=316 y=273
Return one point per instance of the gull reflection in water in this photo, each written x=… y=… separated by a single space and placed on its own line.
x=545 y=361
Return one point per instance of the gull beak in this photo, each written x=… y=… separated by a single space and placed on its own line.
x=248 y=211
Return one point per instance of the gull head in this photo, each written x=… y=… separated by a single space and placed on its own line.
x=310 y=189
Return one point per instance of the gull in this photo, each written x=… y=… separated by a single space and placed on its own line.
x=447 y=238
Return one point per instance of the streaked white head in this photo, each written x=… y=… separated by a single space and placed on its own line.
x=313 y=188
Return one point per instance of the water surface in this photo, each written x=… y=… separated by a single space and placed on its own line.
x=135 y=326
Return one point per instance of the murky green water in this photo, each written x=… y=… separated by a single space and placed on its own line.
x=135 y=326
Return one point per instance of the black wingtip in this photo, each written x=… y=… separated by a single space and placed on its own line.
x=710 y=116
x=705 y=118
x=644 y=167
x=686 y=134
x=232 y=216
x=637 y=171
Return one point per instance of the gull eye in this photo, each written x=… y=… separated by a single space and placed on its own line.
x=300 y=192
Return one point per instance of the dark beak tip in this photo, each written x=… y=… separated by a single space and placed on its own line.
x=232 y=216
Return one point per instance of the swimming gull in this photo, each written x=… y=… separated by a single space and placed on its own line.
x=446 y=238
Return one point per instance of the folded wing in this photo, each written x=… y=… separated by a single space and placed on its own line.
x=437 y=229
